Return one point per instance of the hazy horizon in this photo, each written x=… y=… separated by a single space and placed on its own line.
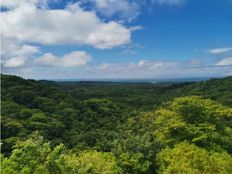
x=145 y=79
x=150 y=80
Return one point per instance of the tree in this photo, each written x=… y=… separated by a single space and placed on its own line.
x=200 y=121
x=97 y=163
x=135 y=152
x=27 y=157
x=188 y=158
x=36 y=156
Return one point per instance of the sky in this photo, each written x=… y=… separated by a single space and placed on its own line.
x=116 y=39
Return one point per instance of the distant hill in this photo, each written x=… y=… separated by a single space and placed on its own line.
x=219 y=89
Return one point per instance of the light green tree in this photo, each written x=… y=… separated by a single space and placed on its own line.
x=190 y=159
x=34 y=156
x=200 y=121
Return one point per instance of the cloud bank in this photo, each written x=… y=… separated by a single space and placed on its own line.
x=163 y=69
x=73 y=59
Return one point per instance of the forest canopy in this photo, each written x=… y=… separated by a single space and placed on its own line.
x=116 y=128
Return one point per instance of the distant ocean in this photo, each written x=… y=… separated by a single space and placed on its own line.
x=174 y=80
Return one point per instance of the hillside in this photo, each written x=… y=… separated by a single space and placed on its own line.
x=116 y=128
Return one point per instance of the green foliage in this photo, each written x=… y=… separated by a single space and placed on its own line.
x=27 y=157
x=110 y=128
x=25 y=113
x=10 y=109
x=188 y=158
x=97 y=163
x=35 y=156
x=11 y=127
x=135 y=152
x=203 y=122
x=214 y=89
x=8 y=143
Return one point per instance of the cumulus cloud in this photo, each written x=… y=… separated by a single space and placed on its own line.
x=14 y=54
x=15 y=62
x=225 y=62
x=73 y=59
x=219 y=50
x=124 y=9
x=10 y=47
x=28 y=23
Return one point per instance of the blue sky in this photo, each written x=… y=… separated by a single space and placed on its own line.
x=95 y=39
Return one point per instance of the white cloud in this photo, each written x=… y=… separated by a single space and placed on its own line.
x=103 y=66
x=159 y=69
x=124 y=9
x=14 y=54
x=219 y=50
x=25 y=50
x=168 y=2
x=147 y=65
x=154 y=65
x=73 y=59
x=15 y=62
x=225 y=62
x=13 y=47
x=28 y=23
x=141 y=63
x=140 y=69
x=47 y=59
